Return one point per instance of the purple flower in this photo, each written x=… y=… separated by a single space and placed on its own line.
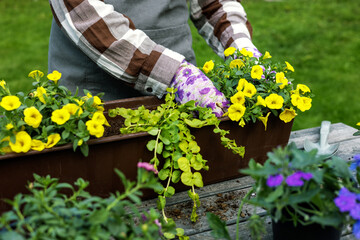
x=355 y=163
x=144 y=218
x=274 y=180
x=346 y=200
x=355 y=212
x=147 y=166
x=296 y=179
x=356 y=229
x=157 y=222
x=204 y=91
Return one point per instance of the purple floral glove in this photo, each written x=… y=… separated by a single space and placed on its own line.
x=192 y=84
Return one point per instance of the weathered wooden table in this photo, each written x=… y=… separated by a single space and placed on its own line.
x=223 y=198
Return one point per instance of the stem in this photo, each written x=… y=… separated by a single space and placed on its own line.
x=156 y=145
x=239 y=212
x=122 y=196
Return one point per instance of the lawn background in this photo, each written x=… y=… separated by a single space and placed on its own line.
x=320 y=38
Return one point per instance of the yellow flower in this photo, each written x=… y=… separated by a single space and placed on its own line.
x=36 y=74
x=241 y=84
x=249 y=90
x=72 y=108
x=6 y=149
x=287 y=115
x=295 y=98
x=256 y=72
x=236 y=111
x=37 y=145
x=267 y=55
x=60 y=116
x=79 y=102
x=9 y=126
x=238 y=97
x=54 y=76
x=303 y=88
x=274 y=101
x=40 y=92
x=304 y=103
x=95 y=128
x=22 y=142
x=97 y=100
x=358 y=124
x=265 y=119
x=288 y=66
x=32 y=117
x=2 y=84
x=80 y=142
x=246 y=53
x=236 y=63
x=208 y=66
x=229 y=51
x=10 y=103
x=242 y=122
x=260 y=101
x=53 y=139
x=280 y=78
x=99 y=117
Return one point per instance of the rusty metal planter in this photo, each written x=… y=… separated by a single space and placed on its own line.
x=124 y=151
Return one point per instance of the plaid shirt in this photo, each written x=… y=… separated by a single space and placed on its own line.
x=111 y=40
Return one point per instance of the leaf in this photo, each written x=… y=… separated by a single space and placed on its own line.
x=98 y=216
x=275 y=195
x=151 y=145
x=187 y=178
x=194 y=147
x=161 y=202
x=153 y=131
x=84 y=149
x=159 y=148
x=169 y=235
x=183 y=146
x=218 y=226
x=164 y=173
x=303 y=196
x=11 y=235
x=184 y=164
x=198 y=179
x=170 y=191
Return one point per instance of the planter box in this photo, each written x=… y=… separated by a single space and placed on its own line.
x=124 y=151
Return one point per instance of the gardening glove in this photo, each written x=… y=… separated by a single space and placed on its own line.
x=192 y=84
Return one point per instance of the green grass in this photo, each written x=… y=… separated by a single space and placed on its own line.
x=320 y=38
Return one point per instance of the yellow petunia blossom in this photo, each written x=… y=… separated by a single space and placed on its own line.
x=37 y=145
x=72 y=108
x=249 y=90
x=246 y=53
x=32 y=117
x=36 y=74
x=238 y=97
x=53 y=139
x=99 y=117
x=54 y=76
x=295 y=98
x=22 y=142
x=236 y=63
x=241 y=84
x=265 y=119
x=60 y=116
x=274 y=101
x=288 y=66
x=267 y=55
x=79 y=102
x=287 y=115
x=208 y=66
x=95 y=128
x=9 y=126
x=303 y=88
x=236 y=111
x=40 y=93
x=260 y=101
x=256 y=72
x=229 y=51
x=304 y=103
x=10 y=103
x=280 y=78
x=2 y=84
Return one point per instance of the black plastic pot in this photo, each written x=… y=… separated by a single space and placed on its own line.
x=287 y=231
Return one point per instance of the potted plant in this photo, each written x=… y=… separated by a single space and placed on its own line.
x=305 y=195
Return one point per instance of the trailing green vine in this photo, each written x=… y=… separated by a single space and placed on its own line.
x=174 y=144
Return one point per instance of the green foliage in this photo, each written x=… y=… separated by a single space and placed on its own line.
x=33 y=115
x=170 y=125
x=48 y=213
x=219 y=230
x=311 y=201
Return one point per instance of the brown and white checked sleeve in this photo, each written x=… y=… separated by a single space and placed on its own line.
x=110 y=39
x=222 y=23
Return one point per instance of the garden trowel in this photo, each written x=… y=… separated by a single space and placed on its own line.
x=323 y=147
